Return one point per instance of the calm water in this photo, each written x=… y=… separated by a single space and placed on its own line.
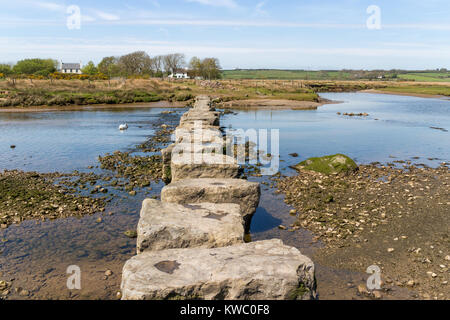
x=402 y=129
x=65 y=141
x=68 y=140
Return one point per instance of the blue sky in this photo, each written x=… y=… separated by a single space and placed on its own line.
x=302 y=34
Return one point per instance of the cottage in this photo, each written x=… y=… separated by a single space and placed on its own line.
x=179 y=76
x=71 y=68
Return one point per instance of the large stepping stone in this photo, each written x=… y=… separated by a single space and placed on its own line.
x=203 y=165
x=169 y=225
x=198 y=135
x=237 y=191
x=263 y=270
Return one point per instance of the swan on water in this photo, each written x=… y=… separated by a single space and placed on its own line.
x=123 y=127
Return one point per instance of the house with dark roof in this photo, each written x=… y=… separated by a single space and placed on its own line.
x=70 y=68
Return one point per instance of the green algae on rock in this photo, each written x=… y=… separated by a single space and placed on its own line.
x=337 y=163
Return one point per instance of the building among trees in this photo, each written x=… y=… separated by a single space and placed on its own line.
x=179 y=75
x=71 y=68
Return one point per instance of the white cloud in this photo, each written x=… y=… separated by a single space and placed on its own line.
x=217 y=3
x=50 y=6
x=259 y=11
x=107 y=16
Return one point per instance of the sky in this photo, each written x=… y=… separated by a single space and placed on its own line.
x=301 y=34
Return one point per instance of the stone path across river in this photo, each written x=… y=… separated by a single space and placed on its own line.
x=191 y=244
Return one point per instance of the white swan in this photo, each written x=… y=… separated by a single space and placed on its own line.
x=123 y=127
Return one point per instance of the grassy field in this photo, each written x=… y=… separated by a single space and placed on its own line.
x=285 y=75
x=25 y=93
x=426 y=77
x=272 y=74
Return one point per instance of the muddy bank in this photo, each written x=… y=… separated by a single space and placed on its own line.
x=278 y=104
x=394 y=218
x=159 y=104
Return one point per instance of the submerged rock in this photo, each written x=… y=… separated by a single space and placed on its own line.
x=337 y=163
x=169 y=225
x=255 y=271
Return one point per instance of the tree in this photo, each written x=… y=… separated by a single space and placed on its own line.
x=90 y=68
x=109 y=66
x=157 y=66
x=35 y=66
x=136 y=63
x=174 y=62
x=211 y=68
x=196 y=67
x=5 y=69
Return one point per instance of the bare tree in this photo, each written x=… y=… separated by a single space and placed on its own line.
x=157 y=66
x=174 y=62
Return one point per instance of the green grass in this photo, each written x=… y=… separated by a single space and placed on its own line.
x=285 y=75
x=426 y=77
x=420 y=89
x=274 y=74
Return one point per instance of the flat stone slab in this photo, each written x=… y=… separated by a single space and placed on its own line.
x=169 y=225
x=202 y=103
x=263 y=270
x=198 y=135
x=203 y=165
x=208 y=148
x=237 y=191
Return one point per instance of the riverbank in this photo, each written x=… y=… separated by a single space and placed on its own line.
x=159 y=104
x=409 y=94
x=274 y=104
x=395 y=218
x=46 y=95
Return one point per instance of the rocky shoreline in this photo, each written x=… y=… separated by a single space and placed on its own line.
x=386 y=215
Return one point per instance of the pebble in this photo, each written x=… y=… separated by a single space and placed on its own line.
x=362 y=289
x=99 y=220
x=132 y=193
x=119 y=294
x=377 y=295
x=390 y=250
x=447 y=258
x=281 y=227
x=108 y=273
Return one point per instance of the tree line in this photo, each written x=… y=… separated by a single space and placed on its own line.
x=135 y=64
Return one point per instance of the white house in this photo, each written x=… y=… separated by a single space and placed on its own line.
x=179 y=76
x=71 y=68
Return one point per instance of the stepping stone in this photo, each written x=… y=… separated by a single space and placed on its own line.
x=169 y=225
x=263 y=270
x=203 y=165
x=237 y=191
x=198 y=135
x=203 y=103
